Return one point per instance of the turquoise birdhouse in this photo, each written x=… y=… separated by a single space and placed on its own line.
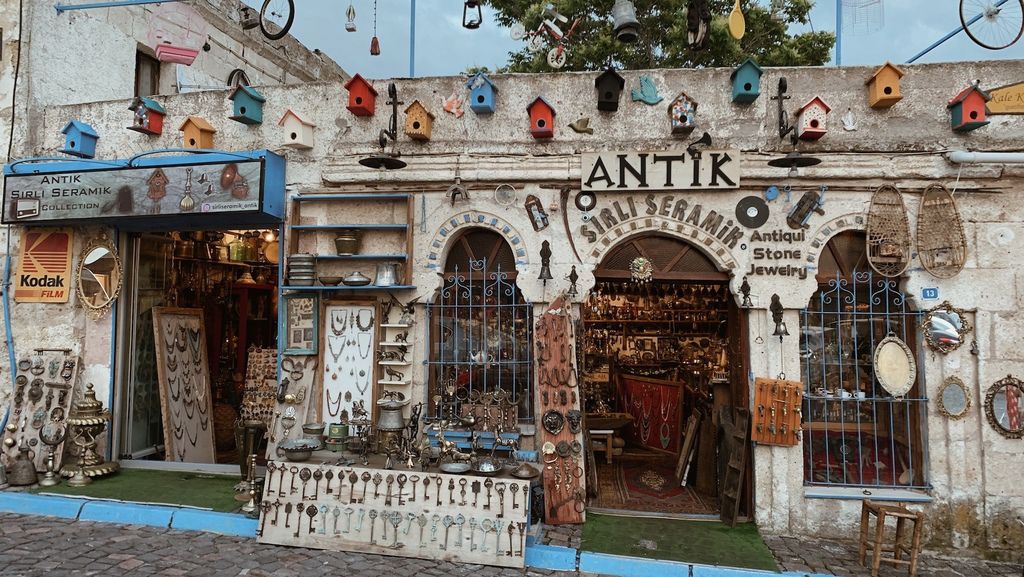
x=80 y=139
x=746 y=82
x=482 y=93
x=247 y=105
x=967 y=110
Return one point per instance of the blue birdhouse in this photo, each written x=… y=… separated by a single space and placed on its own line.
x=248 y=105
x=80 y=139
x=746 y=82
x=482 y=92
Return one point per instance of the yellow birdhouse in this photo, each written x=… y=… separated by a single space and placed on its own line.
x=884 y=86
x=418 y=121
x=198 y=133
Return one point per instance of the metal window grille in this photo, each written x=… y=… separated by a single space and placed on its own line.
x=481 y=340
x=856 y=433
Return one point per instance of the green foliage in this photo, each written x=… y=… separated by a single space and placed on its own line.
x=663 y=35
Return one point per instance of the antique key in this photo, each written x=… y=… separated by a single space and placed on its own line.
x=472 y=533
x=422 y=522
x=462 y=492
x=271 y=469
x=384 y=516
x=433 y=526
x=387 y=498
x=515 y=494
x=329 y=475
x=396 y=520
x=292 y=488
x=447 y=522
x=311 y=512
x=451 y=487
x=500 y=488
x=288 y=516
x=277 y=511
x=317 y=475
x=359 y=520
x=298 y=520
x=352 y=477
x=265 y=507
x=401 y=488
x=426 y=489
x=415 y=479
x=521 y=525
x=488 y=483
x=485 y=527
x=305 y=476
x=476 y=491
x=510 y=529
x=438 y=481
x=498 y=525
x=366 y=479
x=460 y=520
x=373 y=523
x=409 y=517
x=377 y=479
x=337 y=513
x=348 y=519
x=323 y=521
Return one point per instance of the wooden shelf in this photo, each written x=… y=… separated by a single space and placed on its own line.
x=395 y=325
x=392 y=344
x=347 y=288
x=394 y=363
x=396 y=383
x=397 y=256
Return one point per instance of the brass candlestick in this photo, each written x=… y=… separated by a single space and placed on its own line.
x=52 y=434
x=88 y=419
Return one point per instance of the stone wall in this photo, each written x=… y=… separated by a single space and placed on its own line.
x=976 y=496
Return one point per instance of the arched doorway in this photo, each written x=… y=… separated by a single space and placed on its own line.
x=664 y=363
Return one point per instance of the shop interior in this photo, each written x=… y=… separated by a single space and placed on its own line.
x=660 y=344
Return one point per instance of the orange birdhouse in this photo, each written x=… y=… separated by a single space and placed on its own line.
x=419 y=122
x=967 y=110
x=362 y=98
x=198 y=133
x=884 y=86
x=542 y=118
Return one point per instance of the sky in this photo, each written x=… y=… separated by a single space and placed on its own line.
x=444 y=47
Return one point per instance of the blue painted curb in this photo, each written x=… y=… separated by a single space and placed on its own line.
x=550 y=557
x=26 y=504
x=720 y=571
x=214 y=522
x=630 y=566
x=127 y=513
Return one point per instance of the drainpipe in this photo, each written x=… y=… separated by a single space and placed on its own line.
x=6 y=289
x=968 y=157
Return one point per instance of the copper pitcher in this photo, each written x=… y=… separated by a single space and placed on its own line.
x=23 y=469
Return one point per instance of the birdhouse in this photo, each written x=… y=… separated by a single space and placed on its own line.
x=297 y=132
x=609 y=87
x=418 y=121
x=481 y=93
x=80 y=139
x=682 y=114
x=247 y=105
x=967 y=110
x=746 y=82
x=149 y=116
x=542 y=118
x=810 y=122
x=198 y=133
x=362 y=98
x=884 y=86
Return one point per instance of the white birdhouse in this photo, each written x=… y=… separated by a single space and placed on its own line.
x=297 y=132
x=810 y=124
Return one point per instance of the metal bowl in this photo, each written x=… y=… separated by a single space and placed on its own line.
x=454 y=468
x=298 y=450
x=487 y=467
x=356 y=279
x=330 y=280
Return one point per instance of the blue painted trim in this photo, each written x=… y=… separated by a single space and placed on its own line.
x=550 y=557
x=27 y=504
x=65 y=7
x=143 y=160
x=214 y=522
x=630 y=566
x=127 y=513
x=718 y=571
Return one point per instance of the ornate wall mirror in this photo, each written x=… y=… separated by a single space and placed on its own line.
x=99 y=276
x=954 y=401
x=1004 y=406
x=894 y=365
x=946 y=327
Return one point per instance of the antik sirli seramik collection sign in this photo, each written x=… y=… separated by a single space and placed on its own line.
x=664 y=170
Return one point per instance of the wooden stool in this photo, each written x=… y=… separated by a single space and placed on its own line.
x=606 y=435
x=902 y=514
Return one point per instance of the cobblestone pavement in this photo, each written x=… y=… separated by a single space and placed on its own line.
x=57 y=547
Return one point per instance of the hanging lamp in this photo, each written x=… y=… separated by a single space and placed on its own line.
x=374 y=42
x=350 y=26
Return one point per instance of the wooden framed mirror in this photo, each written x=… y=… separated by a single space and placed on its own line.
x=945 y=327
x=954 y=400
x=1004 y=406
x=99 y=276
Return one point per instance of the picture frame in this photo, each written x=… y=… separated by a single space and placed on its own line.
x=299 y=321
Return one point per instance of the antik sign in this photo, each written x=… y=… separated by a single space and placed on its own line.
x=667 y=170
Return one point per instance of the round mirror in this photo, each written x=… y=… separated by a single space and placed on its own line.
x=945 y=328
x=99 y=276
x=953 y=398
x=1004 y=406
x=895 y=367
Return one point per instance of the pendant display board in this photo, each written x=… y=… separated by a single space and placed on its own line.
x=776 y=415
x=656 y=408
x=183 y=375
x=43 y=392
x=888 y=233
x=457 y=518
x=349 y=358
x=561 y=423
x=296 y=396
x=941 y=242
x=258 y=399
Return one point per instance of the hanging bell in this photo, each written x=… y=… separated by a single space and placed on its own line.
x=469 y=19
x=350 y=26
x=627 y=28
x=545 y=273
x=780 y=330
x=545 y=262
x=374 y=46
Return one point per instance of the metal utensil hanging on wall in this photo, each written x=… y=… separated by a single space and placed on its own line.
x=350 y=26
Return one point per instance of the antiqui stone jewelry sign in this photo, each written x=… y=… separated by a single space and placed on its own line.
x=667 y=170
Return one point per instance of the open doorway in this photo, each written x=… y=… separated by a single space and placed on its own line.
x=664 y=365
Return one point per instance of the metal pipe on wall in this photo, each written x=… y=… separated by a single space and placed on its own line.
x=968 y=157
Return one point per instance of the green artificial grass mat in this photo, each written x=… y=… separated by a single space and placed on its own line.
x=214 y=492
x=704 y=542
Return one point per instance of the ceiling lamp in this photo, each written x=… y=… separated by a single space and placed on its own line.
x=793 y=161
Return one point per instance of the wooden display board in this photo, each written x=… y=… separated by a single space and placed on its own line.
x=349 y=358
x=320 y=507
x=43 y=393
x=183 y=374
x=295 y=399
x=776 y=412
x=258 y=399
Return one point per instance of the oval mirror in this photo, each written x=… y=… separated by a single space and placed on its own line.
x=894 y=367
x=99 y=276
x=954 y=401
x=945 y=327
x=1004 y=406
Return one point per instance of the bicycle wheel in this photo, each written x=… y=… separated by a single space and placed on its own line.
x=276 y=18
x=992 y=24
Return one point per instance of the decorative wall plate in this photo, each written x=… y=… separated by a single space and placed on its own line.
x=895 y=367
x=941 y=243
x=888 y=232
x=954 y=400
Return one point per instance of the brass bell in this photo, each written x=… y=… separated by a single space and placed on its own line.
x=780 y=330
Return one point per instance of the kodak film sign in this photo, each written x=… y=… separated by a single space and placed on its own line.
x=44 y=269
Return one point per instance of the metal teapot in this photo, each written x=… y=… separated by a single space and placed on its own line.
x=23 y=469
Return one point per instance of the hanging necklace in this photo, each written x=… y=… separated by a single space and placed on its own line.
x=330 y=347
x=645 y=420
x=192 y=439
x=334 y=327
x=203 y=422
x=333 y=407
x=359 y=320
x=180 y=338
x=369 y=341
x=190 y=403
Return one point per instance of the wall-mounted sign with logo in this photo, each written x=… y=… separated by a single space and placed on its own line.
x=127 y=194
x=666 y=170
x=1007 y=99
x=44 y=267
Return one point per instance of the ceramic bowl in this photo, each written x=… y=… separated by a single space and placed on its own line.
x=454 y=468
x=329 y=280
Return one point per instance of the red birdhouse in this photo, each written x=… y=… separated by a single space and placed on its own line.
x=362 y=97
x=810 y=119
x=967 y=111
x=542 y=118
